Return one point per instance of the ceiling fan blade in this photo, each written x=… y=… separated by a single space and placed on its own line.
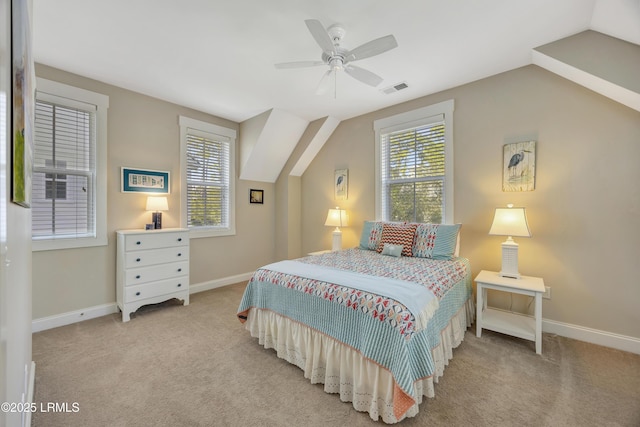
x=363 y=75
x=372 y=48
x=299 y=64
x=325 y=83
x=320 y=34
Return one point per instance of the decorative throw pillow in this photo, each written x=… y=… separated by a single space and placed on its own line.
x=371 y=233
x=393 y=250
x=435 y=241
x=398 y=234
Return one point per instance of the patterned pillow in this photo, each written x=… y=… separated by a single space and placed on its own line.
x=371 y=233
x=398 y=234
x=435 y=241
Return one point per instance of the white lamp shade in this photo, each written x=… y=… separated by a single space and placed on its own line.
x=337 y=218
x=510 y=222
x=157 y=204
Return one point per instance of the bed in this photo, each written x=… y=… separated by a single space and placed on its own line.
x=375 y=324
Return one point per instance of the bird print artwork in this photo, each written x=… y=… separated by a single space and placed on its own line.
x=519 y=166
x=341 y=184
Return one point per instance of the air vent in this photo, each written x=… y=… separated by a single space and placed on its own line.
x=395 y=88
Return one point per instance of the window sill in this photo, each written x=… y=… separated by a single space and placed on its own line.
x=70 y=243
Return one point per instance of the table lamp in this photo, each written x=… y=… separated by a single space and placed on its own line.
x=337 y=218
x=157 y=204
x=510 y=222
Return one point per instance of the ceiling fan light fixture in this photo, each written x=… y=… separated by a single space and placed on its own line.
x=338 y=58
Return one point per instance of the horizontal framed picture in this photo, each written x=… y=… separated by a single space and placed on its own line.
x=144 y=181
x=256 y=196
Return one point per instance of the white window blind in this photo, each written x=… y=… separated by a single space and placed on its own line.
x=64 y=171
x=414 y=165
x=208 y=162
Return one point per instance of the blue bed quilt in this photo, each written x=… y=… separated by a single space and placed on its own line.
x=391 y=310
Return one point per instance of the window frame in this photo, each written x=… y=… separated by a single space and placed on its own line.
x=70 y=96
x=198 y=126
x=412 y=119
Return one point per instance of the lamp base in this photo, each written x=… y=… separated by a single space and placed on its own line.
x=337 y=240
x=156 y=218
x=510 y=259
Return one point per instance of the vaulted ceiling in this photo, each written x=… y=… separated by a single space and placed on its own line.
x=218 y=56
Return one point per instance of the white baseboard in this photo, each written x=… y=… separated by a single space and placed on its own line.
x=594 y=336
x=581 y=333
x=70 y=317
x=76 y=316
x=218 y=283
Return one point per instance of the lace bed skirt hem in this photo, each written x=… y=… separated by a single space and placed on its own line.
x=343 y=370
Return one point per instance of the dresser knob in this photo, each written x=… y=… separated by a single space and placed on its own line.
x=138 y=242
x=179 y=239
x=137 y=294
x=138 y=276
x=179 y=270
x=179 y=254
x=137 y=259
x=179 y=284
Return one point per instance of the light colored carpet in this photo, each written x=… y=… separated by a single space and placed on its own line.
x=197 y=366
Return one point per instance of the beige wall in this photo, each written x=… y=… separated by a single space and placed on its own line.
x=584 y=213
x=143 y=132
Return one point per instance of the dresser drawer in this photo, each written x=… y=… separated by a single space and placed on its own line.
x=135 y=276
x=149 y=290
x=156 y=240
x=135 y=259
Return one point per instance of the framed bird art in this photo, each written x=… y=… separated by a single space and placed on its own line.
x=341 y=184
x=519 y=166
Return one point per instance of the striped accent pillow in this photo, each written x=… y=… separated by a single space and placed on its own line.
x=398 y=234
x=435 y=241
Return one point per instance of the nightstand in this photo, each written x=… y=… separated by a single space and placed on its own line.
x=505 y=322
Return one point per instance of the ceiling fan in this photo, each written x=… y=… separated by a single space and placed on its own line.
x=339 y=58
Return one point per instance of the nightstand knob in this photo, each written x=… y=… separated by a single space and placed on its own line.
x=179 y=254
x=179 y=239
x=138 y=242
x=137 y=259
x=137 y=294
x=179 y=270
x=138 y=276
x=179 y=284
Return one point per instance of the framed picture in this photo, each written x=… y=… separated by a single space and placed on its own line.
x=341 y=184
x=144 y=181
x=23 y=87
x=256 y=196
x=519 y=166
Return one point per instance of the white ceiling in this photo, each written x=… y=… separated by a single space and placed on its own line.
x=217 y=56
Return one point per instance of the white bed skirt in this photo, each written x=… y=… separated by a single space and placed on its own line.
x=343 y=370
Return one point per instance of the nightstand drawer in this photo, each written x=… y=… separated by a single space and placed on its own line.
x=136 y=259
x=156 y=240
x=149 y=290
x=136 y=276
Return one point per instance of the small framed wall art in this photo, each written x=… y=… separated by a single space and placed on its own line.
x=341 y=184
x=144 y=181
x=256 y=196
x=519 y=166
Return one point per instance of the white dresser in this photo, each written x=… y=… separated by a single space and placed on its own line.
x=152 y=266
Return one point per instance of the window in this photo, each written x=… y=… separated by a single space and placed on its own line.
x=207 y=169
x=414 y=165
x=69 y=167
